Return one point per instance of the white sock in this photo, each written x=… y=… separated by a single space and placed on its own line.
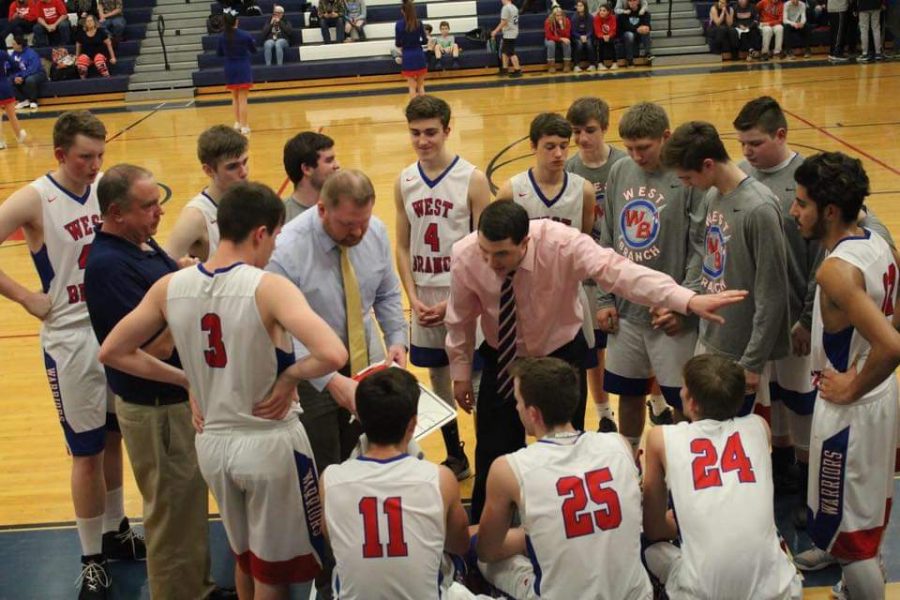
x=658 y=405
x=115 y=510
x=90 y=532
x=603 y=410
x=635 y=443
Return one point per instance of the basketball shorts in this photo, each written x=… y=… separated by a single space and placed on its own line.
x=636 y=352
x=508 y=46
x=793 y=396
x=428 y=344
x=83 y=401
x=851 y=469
x=267 y=488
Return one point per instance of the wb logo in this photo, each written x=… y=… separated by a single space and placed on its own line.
x=639 y=223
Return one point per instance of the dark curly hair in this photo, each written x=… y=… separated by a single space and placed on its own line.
x=835 y=178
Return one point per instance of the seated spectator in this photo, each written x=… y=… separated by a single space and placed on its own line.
x=634 y=24
x=582 y=36
x=428 y=47
x=771 y=17
x=52 y=23
x=331 y=14
x=93 y=47
x=112 y=18
x=746 y=25
x=605 y=33
x=28 y=76
x=20 y=20
x=721 y=29
x=796 y=28
x=622 y=7
x=355 y=20
x=445 y=46
x=276 y=35
x=79 y=9
x=558 y=34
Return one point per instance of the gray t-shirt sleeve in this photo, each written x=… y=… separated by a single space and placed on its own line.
x=696 y=205
x=606 y=228
x=770 y=284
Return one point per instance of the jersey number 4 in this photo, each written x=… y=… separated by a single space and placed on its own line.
x=431 y=238
x=215 y=354
x=708 y=468
x=577 y=490
x=393 y=510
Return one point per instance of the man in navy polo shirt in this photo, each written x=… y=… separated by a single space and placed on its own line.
x=155 y=418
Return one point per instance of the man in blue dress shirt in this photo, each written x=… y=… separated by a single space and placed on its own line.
x=309 y=252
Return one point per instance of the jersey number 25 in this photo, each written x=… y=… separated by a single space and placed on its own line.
x=576 y=491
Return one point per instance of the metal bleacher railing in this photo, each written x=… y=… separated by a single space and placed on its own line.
x=161 y=30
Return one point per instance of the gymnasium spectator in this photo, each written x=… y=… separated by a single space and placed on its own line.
x=81 y=9
x=771 y=16
x=509 y=25
x=93 y=47
x=355 y=20
x=558 y=34
x=839 y=27
x=445 y=46
x=623 y=9
x=634 y=24
x=746 y=25
x=52 y=23
x=605 y=28
x=331 y=14
x=582 y=36
x=276 y=35
x=721 y=29
x=410 y=37
x=29 y=76
x=428 y=47
x=797 y=30
x=20 y=20
x=112 y=18
x=309 y=159
x=869 y=17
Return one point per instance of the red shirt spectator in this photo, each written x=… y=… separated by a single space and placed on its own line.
x=605 y=26
x=556 y=31
x=771 y=12
x=50 y=11
x=22 y=10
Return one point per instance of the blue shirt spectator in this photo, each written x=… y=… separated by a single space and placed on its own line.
x=117 y=275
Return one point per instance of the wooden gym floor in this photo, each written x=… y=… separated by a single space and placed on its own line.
x=850 y=108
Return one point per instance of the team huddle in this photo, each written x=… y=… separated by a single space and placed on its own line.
x=753 y=303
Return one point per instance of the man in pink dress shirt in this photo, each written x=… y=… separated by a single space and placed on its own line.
x=545 y=262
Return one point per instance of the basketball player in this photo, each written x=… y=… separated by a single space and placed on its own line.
x=656 y=221
x=744 y=249
x=589 y=117
x=390 y=517
x=438 y=200
x=230 y=321
x=855 y=351
x=578 y=497
x=308 y=161
x=224 y=156
x=58 y=213
x=719 y=474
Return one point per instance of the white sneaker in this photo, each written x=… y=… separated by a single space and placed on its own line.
x=814 y=559
x=591 y=68
x=22 y=104
x=245 y=130
x=615 y=65
x=839 y=591
x=236 y=126
x=602 y=67
x=577 y=69
x=33 y=105
x=22 y=135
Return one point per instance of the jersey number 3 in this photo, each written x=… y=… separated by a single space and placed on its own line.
x=576 y=490
x=393 y=510
x=706 y=472
x=215 y=354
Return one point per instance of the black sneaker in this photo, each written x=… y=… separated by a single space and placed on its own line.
x=607 y=425
x=663 y=418
x=94 y=580
x=125 y=544
x=223 y=593
x=459 y=464
x=516 y=74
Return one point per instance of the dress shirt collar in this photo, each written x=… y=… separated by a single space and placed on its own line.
x=323 y=240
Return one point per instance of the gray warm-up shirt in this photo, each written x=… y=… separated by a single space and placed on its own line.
x=598 y=177
x=745 y=250
x=656 y=221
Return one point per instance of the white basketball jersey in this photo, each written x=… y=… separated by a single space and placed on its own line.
x=581 y=510
x=69 y=222
x=226 y=352
x=386 y=525
x=210 y=211
x=439 y=216
x=871 y=255
x=720 y=476
x=567 y=207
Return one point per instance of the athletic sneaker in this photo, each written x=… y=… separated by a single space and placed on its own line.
x=615 y=65
x=879 y=57
x=863 y=58
x=814 y=559
x=837 y=59
x=245 y=131
x=839 y=591
x=607 y=425
x=94 y=580
x=516 y=74
x=22 y=135
x=577 y=69
x=33 y=105
x=590 y=68
x=22 y=105
x=663 y=418
x=124 y=544
x=459 y=465
x=236 y=126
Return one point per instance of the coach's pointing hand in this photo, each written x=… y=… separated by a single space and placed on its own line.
x=706 y=305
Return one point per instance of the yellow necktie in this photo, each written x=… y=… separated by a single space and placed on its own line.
x=356 y=333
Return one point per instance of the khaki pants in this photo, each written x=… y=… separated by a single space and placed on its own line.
x=160 y=445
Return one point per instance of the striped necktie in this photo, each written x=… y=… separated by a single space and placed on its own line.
x=506 y=344
x=356 y=333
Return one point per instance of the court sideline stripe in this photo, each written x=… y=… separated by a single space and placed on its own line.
x=136 y=123
x=853 y=147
